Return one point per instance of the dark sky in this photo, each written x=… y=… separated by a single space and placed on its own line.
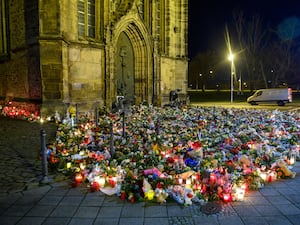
x=208 y=18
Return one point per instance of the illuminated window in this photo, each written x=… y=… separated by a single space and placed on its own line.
x=86 y=18
x=3 y=30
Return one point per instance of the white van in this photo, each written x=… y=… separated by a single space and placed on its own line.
x=276 y=95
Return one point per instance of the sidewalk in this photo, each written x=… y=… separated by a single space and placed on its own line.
x=276 y=203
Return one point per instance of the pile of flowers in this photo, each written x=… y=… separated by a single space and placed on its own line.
x=188 y=154
x=17 y=110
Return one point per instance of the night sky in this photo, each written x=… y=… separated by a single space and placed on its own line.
x=207 y=19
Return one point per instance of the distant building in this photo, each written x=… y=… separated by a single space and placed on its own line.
x=88 y=52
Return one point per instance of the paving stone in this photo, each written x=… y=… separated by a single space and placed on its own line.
x=7 y=220
x=17 y=210
x=63 y=211
x=41 y=210
x=50 y=200
x=81 y=221
x=156 y=211
x=87 y=212
x=56 y=221
x=110 y=211
x=278 y=220
x=267 y=210
x=178 y=211
x=246 y=210
x=71 y=200
x=92 y=201
x=288 y=209
x=181 y=220
x=133 y=211
x=107 y=221
x=131 y=221
x=232 y=220
x=156 y=220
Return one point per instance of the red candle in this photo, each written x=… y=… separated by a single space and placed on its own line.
x=197 y=176
x=212 y=178
x=112 y=181
x=226 y=197
x=123 y=195
x=78 y=178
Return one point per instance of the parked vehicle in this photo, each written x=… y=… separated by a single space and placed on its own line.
x=276 y=95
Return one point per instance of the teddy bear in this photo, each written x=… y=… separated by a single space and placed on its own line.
x=161 y=195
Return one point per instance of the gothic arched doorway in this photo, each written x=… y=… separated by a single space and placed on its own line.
x=131 y=69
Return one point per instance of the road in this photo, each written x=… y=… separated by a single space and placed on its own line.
x=289 y=106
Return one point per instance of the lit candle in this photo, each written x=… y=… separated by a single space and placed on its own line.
x=82 y=166
x=112 y=181
x=263 y=176
x=78 y=178
x=212 y=177
x=292 y=160
x=180 y=181
x=188 y=183
x=240 y=193
x=100 y=181
x=193 y=177
x=69 y=164
x=226 y=197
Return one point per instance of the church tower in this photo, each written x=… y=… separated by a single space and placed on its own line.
x=88 y=52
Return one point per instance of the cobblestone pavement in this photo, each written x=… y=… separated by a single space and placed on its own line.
x=24 y=202
x=20 y=144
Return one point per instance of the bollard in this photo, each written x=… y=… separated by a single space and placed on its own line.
x=45 y=179
x=112 y=150
x=76 y=119
x=157 y=128
x=96 y=116
x=123 y=123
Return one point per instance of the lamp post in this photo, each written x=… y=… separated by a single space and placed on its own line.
x=231 y=59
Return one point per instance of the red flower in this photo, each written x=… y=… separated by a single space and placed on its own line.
x=159 y=185
x=170 y=160
x=95 y=186
x=197 y=145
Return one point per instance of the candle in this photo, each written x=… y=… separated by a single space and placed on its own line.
x=123 y=195
x=78 y=178
x=240 y=193
x=100 y=181
x=193 y=177
x=212 y=177
x=292 y=160
x=198 y=176
x=180 y=180
x=69 y=164
x=226 y=197
x=188 y=183
x=112 y=181
x=263 y=176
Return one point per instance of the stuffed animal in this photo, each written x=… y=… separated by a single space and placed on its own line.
x=188 y=196
x=161 y=195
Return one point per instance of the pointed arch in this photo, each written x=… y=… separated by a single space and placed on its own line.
x=141 y=44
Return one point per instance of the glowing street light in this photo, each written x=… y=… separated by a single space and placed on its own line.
x=231 y=59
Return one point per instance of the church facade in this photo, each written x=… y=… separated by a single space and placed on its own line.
x=89 y=52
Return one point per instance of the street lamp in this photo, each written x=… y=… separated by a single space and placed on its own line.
x=231 y=59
